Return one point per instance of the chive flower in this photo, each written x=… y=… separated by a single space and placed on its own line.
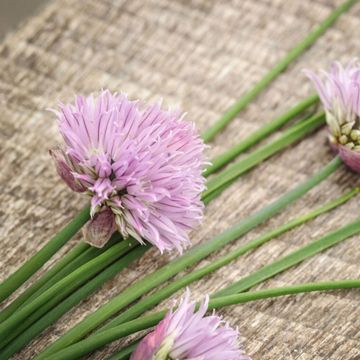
x=186 y=334
x=339 y=91
x=140 y=165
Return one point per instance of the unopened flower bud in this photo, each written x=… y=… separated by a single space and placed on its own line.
x=343 y=139
x=355 y=135
x=346 y=128
x=339 y=92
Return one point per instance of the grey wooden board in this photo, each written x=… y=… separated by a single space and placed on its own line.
x=201 y=55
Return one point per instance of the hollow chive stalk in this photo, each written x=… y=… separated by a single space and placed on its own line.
x=125 y=352
x=300 y=48
x=292 y=259
x=191 y=257
x=79 y=255
x=162 y=294
x=55 y=313
x=81 y=250
x=15 y=280
x=260 y=134
x=227 y=177
x=83 y=258
x=59 y=266
x=240 y=167
x=64 y=287
x=98 y=340
x=62 y=293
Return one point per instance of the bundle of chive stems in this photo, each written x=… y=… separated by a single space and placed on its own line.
x=84 y=269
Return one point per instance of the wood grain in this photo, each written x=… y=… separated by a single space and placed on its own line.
x=201 y=55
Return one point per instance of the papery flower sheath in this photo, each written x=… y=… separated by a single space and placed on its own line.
x=187 y=334
x=141 y=165
x=339 y=91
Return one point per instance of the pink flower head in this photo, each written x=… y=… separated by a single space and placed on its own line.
x=339 y=91
x=186 y=334
x=141 y=166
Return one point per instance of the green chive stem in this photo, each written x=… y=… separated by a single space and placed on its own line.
x=56 y=269
x=55 y=313
x=292 y=259
x=15 y=280
x=258 y=135
x=65 y=286
x=124 y=353
x=86 y=256
x=294 y=53
x=292 y=134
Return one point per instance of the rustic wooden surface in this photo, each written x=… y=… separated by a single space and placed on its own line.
x=201 y=55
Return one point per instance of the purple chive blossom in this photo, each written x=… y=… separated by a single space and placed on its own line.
x=186 y=334
x=339 y=91
x=141 y=165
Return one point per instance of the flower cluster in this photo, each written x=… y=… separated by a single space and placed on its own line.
x=141 y=165
x=339 y=91
x=186 y=334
